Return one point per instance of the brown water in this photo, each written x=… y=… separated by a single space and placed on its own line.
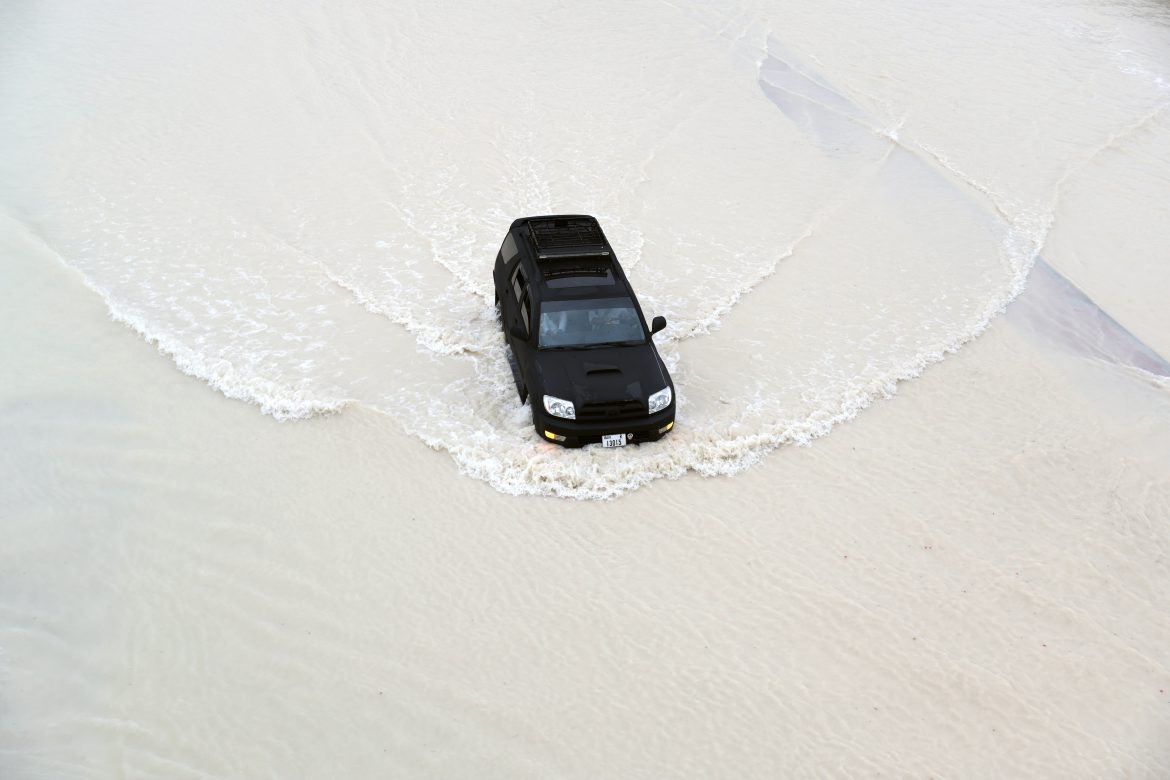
x=299 y=209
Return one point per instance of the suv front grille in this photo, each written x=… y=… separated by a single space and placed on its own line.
x=602 y=411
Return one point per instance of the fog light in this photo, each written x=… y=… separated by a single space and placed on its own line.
x=666 y=427
x=552 y=436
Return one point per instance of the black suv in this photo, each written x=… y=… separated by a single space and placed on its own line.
x=580 y=344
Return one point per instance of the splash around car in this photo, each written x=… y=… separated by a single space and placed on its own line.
x=580 y=346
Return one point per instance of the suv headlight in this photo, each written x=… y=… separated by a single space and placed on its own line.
x=559 y=407
x=660 y=400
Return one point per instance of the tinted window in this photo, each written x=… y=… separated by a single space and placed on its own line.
x=588 y=322
x=508 y=250
x=518 y=281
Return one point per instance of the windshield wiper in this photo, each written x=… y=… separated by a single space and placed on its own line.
x=598 y=345
x=628 y=343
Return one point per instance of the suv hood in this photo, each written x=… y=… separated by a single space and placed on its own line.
x=602 y=374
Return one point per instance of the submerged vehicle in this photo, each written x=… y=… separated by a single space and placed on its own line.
x=581 y=348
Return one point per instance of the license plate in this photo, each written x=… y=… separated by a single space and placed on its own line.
x=614 y=440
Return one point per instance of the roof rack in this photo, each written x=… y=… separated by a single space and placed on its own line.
x=556 y=236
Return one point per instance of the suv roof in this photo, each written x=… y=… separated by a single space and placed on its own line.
x=571 y=254
x=555 y=236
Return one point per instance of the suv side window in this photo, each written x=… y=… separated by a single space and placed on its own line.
x=519 y=282
x=525 y=304
x=508 y=251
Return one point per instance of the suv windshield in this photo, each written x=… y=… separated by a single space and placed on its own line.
x=589 y=322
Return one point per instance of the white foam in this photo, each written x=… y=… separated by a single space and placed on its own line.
x=282 y=402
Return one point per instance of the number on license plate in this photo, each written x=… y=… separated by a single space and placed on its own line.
x=614 y=440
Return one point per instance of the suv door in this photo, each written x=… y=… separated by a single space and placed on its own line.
x=518 y=312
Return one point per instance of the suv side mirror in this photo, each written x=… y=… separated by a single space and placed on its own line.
x=518 y=332
x=658 y=323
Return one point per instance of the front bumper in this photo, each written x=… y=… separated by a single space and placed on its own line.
x=577 y=434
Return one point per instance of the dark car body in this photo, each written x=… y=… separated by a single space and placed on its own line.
x=578 y=335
